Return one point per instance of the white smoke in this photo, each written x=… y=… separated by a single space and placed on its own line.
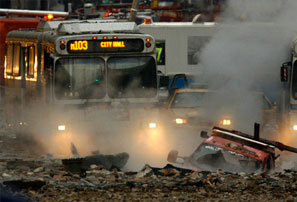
x=245 y=55
x=253 y=40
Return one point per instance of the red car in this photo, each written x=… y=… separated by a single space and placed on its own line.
x=231 y=151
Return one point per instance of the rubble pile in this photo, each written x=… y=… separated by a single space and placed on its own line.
x=48 y=180
x=26 y=176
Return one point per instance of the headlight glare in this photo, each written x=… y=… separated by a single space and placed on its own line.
x=225 y=122
x=61 y=127
x=180 y=121
x=152 y=125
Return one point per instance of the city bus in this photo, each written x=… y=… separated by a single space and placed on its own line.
x=81 y=77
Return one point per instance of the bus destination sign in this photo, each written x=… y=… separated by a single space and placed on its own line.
x=105 y=46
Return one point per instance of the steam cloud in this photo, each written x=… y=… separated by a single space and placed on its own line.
x=245 y=55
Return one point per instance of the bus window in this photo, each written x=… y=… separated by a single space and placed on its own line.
x=160 y=53
x=79 y=78
x=16 y=60
x=195 y=46
x=31 y=62
x=131 y=77
x=9 y=52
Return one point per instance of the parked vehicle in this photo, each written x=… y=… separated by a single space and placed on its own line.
x=179 y=46
x=189 y=107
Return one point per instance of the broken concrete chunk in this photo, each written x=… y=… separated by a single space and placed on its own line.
x=6 y=175
x=109 y=162
x=146 y=171
x=21 y=164
x=39 y=169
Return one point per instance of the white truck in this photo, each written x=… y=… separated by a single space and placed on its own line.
x=179 y=45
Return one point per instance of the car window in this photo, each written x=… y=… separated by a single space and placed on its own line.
x=188 y=100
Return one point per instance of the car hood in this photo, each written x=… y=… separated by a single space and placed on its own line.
x=187 y=112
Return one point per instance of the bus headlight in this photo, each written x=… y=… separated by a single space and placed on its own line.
x=152 y=125
x=180 y=121
x=295 y=127
x=61 y=127
x=225 y=122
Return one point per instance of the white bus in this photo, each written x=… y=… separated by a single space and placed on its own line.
x=81 y=76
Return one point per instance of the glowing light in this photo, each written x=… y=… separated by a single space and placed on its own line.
x=112 y=44
x=79 y=45
x=147 y=21
x=35 y=68
x=61 y=127
x=50 y=16
x=225 y=122
x=180 y=121
x=295 y=127
x=152 y=125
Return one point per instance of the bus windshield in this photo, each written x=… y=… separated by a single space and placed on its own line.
x=131 y=77
x=79 y=78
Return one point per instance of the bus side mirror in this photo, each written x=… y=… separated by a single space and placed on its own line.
x=284 y=72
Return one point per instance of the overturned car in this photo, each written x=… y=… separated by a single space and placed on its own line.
x=231 y=151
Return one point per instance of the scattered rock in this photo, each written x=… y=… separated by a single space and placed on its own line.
x=145 y=172
x=78 y=165
x=39 y=169
x=6 y=175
